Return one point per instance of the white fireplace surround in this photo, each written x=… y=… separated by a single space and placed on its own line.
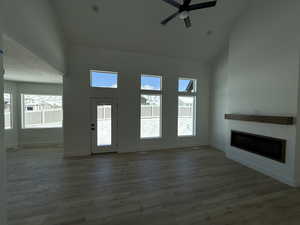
x=284 y=172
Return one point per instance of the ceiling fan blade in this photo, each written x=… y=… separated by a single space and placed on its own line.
x=165 y=21
x=202 y=5
x=173 y=3
x=186 y=3
x=187 y=22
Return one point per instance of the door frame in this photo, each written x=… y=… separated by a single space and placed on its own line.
x=94 y=102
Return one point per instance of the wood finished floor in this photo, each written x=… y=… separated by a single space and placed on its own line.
x=176 y=187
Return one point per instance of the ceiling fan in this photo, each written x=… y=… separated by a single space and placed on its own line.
x=184 y=9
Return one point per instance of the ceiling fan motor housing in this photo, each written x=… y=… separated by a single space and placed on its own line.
x=183 y=15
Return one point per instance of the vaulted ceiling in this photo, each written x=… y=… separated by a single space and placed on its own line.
x=22 y=65
x=134 y=25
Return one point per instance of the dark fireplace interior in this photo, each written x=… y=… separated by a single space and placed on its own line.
x=272 y=148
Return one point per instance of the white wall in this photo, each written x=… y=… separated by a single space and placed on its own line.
x=297 y=155
x=31 y=137
x=263 y=73
x=219 y=102
x=2 y=151
x=77 y=96
x=33 y=24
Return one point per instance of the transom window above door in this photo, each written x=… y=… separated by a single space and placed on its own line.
x=103 y=79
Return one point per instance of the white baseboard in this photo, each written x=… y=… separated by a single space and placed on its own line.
x=158 y=147
x=135 y=149
x=42 y=145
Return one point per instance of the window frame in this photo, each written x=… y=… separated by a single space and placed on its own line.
x=155 y=93
x=23 y=112
x=188 y=94
x=10 y=110
x=101 y=71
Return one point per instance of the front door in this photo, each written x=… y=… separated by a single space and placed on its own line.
x=103 y=125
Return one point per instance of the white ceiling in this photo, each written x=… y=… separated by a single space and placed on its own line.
x=22 y=65
x=134 y=25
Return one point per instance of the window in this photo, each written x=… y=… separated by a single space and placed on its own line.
x=150 y=83
x=101 y=79
x=150 y=113
x=150 y=116
x=41 y=111
x=8 y=123
x=186 y=121
x=187 y=85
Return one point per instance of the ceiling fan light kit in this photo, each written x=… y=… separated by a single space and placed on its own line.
x=184 y=9
x=183 y=15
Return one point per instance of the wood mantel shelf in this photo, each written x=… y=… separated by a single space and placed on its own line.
x=282 y=120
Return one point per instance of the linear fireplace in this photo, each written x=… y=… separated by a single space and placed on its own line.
x=269 y=147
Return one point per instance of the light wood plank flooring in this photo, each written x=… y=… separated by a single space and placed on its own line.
x=176 y=187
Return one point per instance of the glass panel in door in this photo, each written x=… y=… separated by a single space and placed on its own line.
x=104 y=125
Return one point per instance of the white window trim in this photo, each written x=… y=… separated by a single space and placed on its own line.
x=151 y=92
x=101 y=71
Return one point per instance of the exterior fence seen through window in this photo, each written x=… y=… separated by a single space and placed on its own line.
x=42 y=111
